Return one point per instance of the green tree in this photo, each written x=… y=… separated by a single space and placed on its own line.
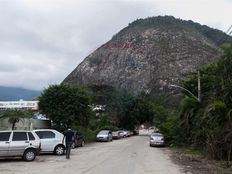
x=66 y=105
x=208 y=124
x=116 y=102
x=139 y=111
x=15 y=115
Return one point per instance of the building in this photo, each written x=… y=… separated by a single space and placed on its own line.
x=21 y=104
x=25 y=123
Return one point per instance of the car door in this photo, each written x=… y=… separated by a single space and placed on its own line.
x=110 y=135
x=4 y=143
x=47 y=140
x=18 y=144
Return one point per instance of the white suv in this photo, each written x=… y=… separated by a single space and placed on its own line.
x=51 y=141
x=25 y=144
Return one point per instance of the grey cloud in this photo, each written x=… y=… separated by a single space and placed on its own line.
x=42 y=41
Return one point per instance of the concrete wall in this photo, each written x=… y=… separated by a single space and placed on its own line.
x=25 y=124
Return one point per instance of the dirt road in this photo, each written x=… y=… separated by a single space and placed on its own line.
x=126 y=156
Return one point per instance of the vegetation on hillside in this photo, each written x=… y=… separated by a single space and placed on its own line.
x=209 y=123
x=206 y=125
x=170 y=22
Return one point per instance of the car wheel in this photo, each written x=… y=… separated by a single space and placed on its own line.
x=59 y=150
x=82 y=143
x=29 y=155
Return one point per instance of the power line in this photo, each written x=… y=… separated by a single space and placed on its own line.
x=223 y=38
x=229 y=31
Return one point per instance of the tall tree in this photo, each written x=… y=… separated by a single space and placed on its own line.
x=65 y=105
x=15 y=115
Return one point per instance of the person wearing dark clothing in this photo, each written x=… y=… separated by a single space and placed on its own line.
x=69 y=137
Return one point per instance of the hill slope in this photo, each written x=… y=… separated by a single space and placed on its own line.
x=150 y=54
x=14 y=94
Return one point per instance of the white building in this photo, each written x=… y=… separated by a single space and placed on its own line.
x=21 y=104
x=25 y=123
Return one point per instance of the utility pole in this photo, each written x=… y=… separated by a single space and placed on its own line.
x=199 y=86
x=229 y=31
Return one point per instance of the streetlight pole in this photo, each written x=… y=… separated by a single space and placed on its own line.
x=176 y=86
x=198 y=98
x=199 y=86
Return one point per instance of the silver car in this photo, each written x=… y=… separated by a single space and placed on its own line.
x=104 y=135
x=157 y=139
x=25 y=144
x=116 y=135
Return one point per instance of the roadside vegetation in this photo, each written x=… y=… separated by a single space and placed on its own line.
x=208 y=124
x=205 y=126
x=14 y=116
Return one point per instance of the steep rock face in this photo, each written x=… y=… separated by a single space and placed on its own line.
x=148 y=55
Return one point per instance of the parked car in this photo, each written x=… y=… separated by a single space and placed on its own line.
x=79 y=140
x=157 y=139
x=25 y=144
x=51 y=141
x=116 y=135
x=104 y=135
x=130 y=133
x=125 y=133
x=121 y=133
x=135 y=132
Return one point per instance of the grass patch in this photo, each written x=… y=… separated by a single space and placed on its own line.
x=189 y=151
x=195 y=161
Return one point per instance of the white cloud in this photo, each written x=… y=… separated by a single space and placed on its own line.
x=42 y=41
x=214 y=13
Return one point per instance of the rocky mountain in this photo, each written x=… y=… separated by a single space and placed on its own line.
x=150 y=54
x=14 y=93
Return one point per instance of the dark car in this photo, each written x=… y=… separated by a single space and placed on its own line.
x=135 y=132
x=79 y=139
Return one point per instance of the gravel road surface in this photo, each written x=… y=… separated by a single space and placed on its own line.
x=126 y=156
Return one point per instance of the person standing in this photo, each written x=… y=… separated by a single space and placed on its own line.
x=69 y=138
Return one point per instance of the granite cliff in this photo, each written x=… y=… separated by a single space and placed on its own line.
x=150 y=54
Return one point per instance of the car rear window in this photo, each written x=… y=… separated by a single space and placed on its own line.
x=157 y=135
x=31 y=136
x=4 y=136
x=103 y=132
x=19 y=136
x=45 y=134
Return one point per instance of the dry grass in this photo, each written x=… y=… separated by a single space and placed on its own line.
x=194 y=162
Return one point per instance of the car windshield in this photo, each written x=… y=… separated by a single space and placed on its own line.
x=103 y=132
x=157 y=135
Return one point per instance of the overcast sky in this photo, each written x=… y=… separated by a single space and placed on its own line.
x=42 y=41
